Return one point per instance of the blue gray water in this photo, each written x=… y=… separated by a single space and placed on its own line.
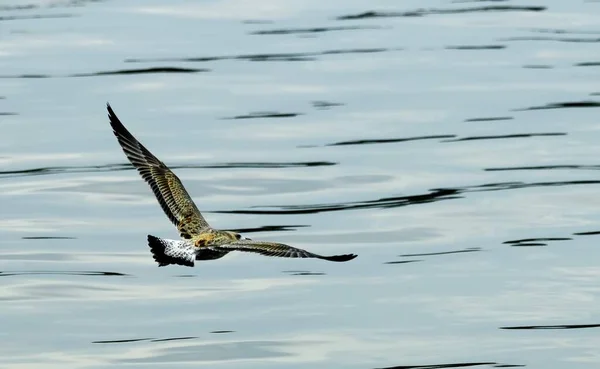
x=453 y=145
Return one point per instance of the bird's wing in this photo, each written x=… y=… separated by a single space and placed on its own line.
x=170 y=193
x=277 y=249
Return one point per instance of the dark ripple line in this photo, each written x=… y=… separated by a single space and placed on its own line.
x=474 y=249
x=153 y=70
x=221 y=332
x=439 y=366
x=124 y=341
x=142 y=71
x=320 y=104
x=388 y=140
x=432 y=11
x=476 y=47
x=7 y=113
x=544 y=167
x=433 y=195
x=564 y=105
x=525 y=240
x=444 y=138
x=127 y=166
x=568 y=326
x=288 y=31
x=516 y=135
x=529 y=244
x=146 y=339
x=402 y=261
x=269 y=114
x=558 y=39
x=48 y=238
x=590 y=233
x=488 y=119
x=302 y=272
x=501 y=186
x=268 y=228
x=173 y=339
x=297 y=56
x=78 y=273
x=588 y=64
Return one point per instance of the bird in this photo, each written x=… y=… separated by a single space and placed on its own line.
x=198 y=240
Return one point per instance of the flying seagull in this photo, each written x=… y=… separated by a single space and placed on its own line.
x=199 y=241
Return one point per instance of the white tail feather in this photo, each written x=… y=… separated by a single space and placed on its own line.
x=167 y=252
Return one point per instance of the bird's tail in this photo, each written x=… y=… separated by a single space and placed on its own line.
x=167 y=252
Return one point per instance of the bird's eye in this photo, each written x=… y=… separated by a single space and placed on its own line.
x=238 y=236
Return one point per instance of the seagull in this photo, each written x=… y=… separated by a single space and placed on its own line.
x=199 y=241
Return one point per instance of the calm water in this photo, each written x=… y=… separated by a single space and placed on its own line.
x=453 y=145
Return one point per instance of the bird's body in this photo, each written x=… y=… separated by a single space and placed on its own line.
x=199 y=241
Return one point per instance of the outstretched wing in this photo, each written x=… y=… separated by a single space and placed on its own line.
x=170 y=193
x=277 y=249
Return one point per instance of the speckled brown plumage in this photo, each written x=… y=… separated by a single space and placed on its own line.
x=200 y=241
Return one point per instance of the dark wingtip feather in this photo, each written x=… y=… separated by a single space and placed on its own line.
x=158 y=253
x=339 y=258
x=115 y=123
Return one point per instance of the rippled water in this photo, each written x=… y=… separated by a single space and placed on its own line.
x=453 y=145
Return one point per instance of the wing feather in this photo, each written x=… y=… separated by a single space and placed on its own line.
x=166 y=186
x=278 y=250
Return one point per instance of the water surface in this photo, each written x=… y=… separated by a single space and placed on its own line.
x=452 y=145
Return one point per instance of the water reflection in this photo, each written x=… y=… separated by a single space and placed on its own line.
x=269 y=228
x=302 y=272
x=389 y=140
x=289 y=31
x=564 y=105
x=124 y=341
x=324 y=105
x=559 y=39
x=451 y=365
x=387 y=202
x=476 y=47
x=402 y=261
x=266 y=114
x=488 y=119
x=155 y=70
x=432 y=11
x=73 y=273
x=516 y=174
x=514 y=135
x=543 y=241
x=128 y=166
x=472 y=249
x=544 y=167
x=295 y=56
x=568 y=326
x=48 y=238
x=433 y=195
